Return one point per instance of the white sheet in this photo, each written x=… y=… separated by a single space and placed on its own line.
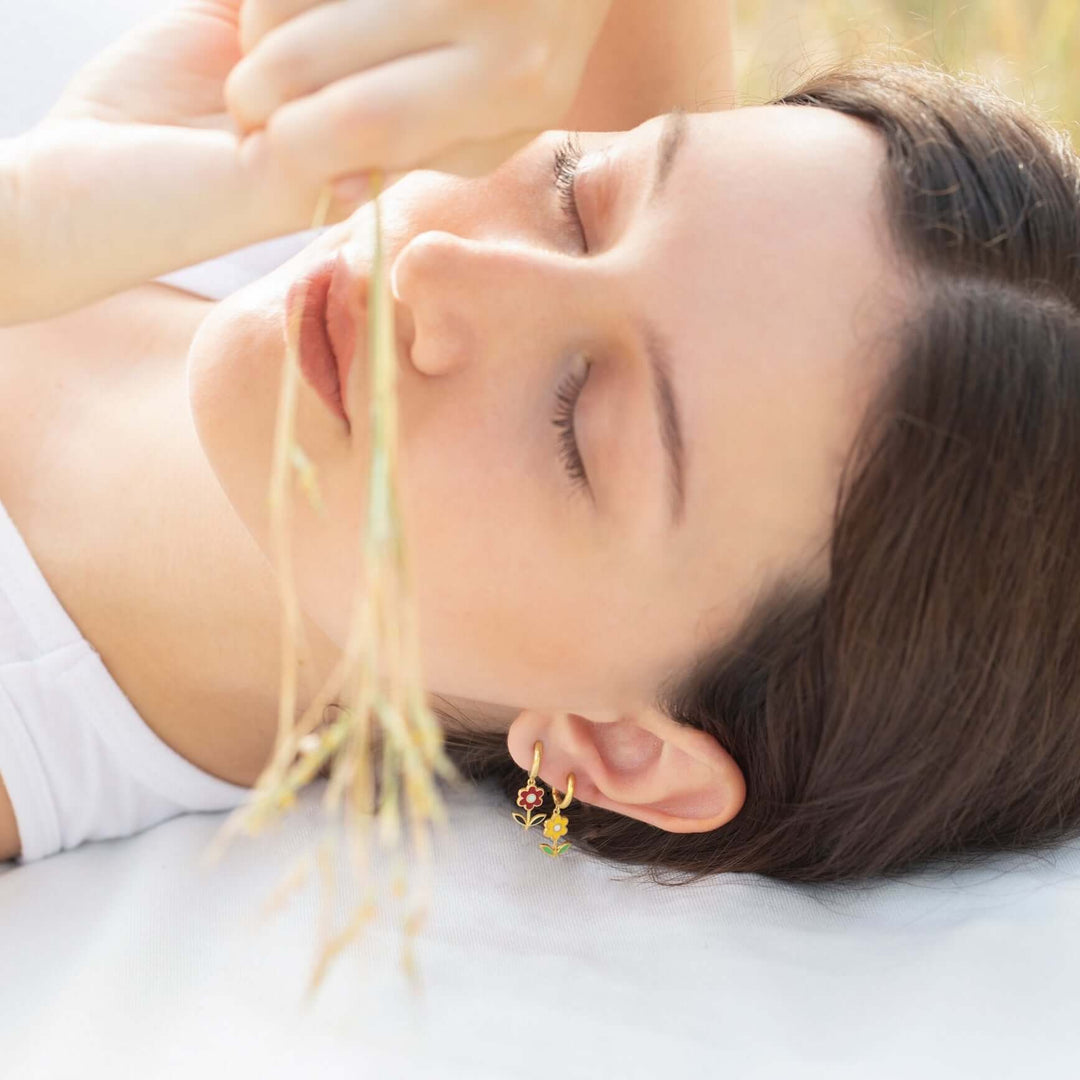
x=122 y=959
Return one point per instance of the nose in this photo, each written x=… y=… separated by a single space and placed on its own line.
x=468 y=297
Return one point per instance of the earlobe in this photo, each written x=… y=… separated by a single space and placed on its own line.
x=643 y=765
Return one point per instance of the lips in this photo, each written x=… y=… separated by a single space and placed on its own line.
x=318 y=361
x=334 y=299
x=346 y=308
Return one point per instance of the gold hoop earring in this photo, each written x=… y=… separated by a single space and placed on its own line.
x=530 y=797
x=555 y=829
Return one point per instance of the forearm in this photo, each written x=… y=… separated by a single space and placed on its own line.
x=654 y=55
x=91 y=209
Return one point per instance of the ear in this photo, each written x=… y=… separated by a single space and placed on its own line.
x=643 y=765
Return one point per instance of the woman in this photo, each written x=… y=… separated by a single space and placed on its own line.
x=136 y=172
x=820 y=627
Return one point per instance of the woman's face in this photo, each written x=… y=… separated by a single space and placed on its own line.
x=740 y=295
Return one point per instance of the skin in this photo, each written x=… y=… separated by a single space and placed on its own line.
x=544 y=612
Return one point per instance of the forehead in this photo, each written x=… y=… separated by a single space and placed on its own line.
x=779 y=210
x=780 y=199
x=779 y=272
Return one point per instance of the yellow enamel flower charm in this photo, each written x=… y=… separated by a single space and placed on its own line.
x=555 y=830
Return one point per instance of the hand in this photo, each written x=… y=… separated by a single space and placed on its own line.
x=169 y=73
x=343 y=87
x=137 y=170
x=169 y=70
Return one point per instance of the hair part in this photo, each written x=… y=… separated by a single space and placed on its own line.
x=923 y=703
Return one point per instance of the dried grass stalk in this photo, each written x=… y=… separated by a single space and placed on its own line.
x=378 y=680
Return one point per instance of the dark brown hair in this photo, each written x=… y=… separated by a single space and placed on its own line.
x=924 y=703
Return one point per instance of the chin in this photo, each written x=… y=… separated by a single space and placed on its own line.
x=235 y=366
x=234 y=369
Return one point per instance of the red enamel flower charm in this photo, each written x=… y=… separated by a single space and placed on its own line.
x=529 y=798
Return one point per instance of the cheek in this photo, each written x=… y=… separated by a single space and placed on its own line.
x=475 y=545
x=234 y=372
x=234 y=369
x=507 y=587
x=232 y=366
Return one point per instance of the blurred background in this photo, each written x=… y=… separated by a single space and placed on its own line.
x=44 y=42
x=1029 y=48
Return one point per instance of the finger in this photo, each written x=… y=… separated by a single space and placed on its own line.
x=464 y=159
x=468 y=158
x=398 y=115
x=281 y=203
x=351 y=191
x=259 y=17
x=319 y=47
x=471 y=157
x=228 y=9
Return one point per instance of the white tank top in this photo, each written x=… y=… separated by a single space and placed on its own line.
x=78 y=761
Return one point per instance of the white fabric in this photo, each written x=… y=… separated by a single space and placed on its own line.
x=78 y=761
x=44 y=42
x=217 y=278
x=124 y=959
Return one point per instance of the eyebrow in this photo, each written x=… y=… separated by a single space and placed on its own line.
x=672 y=139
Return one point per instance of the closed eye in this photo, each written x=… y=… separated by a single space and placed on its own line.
x=566 y=158
x=568 y=393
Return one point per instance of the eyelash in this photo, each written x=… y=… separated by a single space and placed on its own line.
x=568 y=393
x=564 y=166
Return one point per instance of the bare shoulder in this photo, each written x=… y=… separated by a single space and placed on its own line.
x=48 y=372
x=10 y=845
